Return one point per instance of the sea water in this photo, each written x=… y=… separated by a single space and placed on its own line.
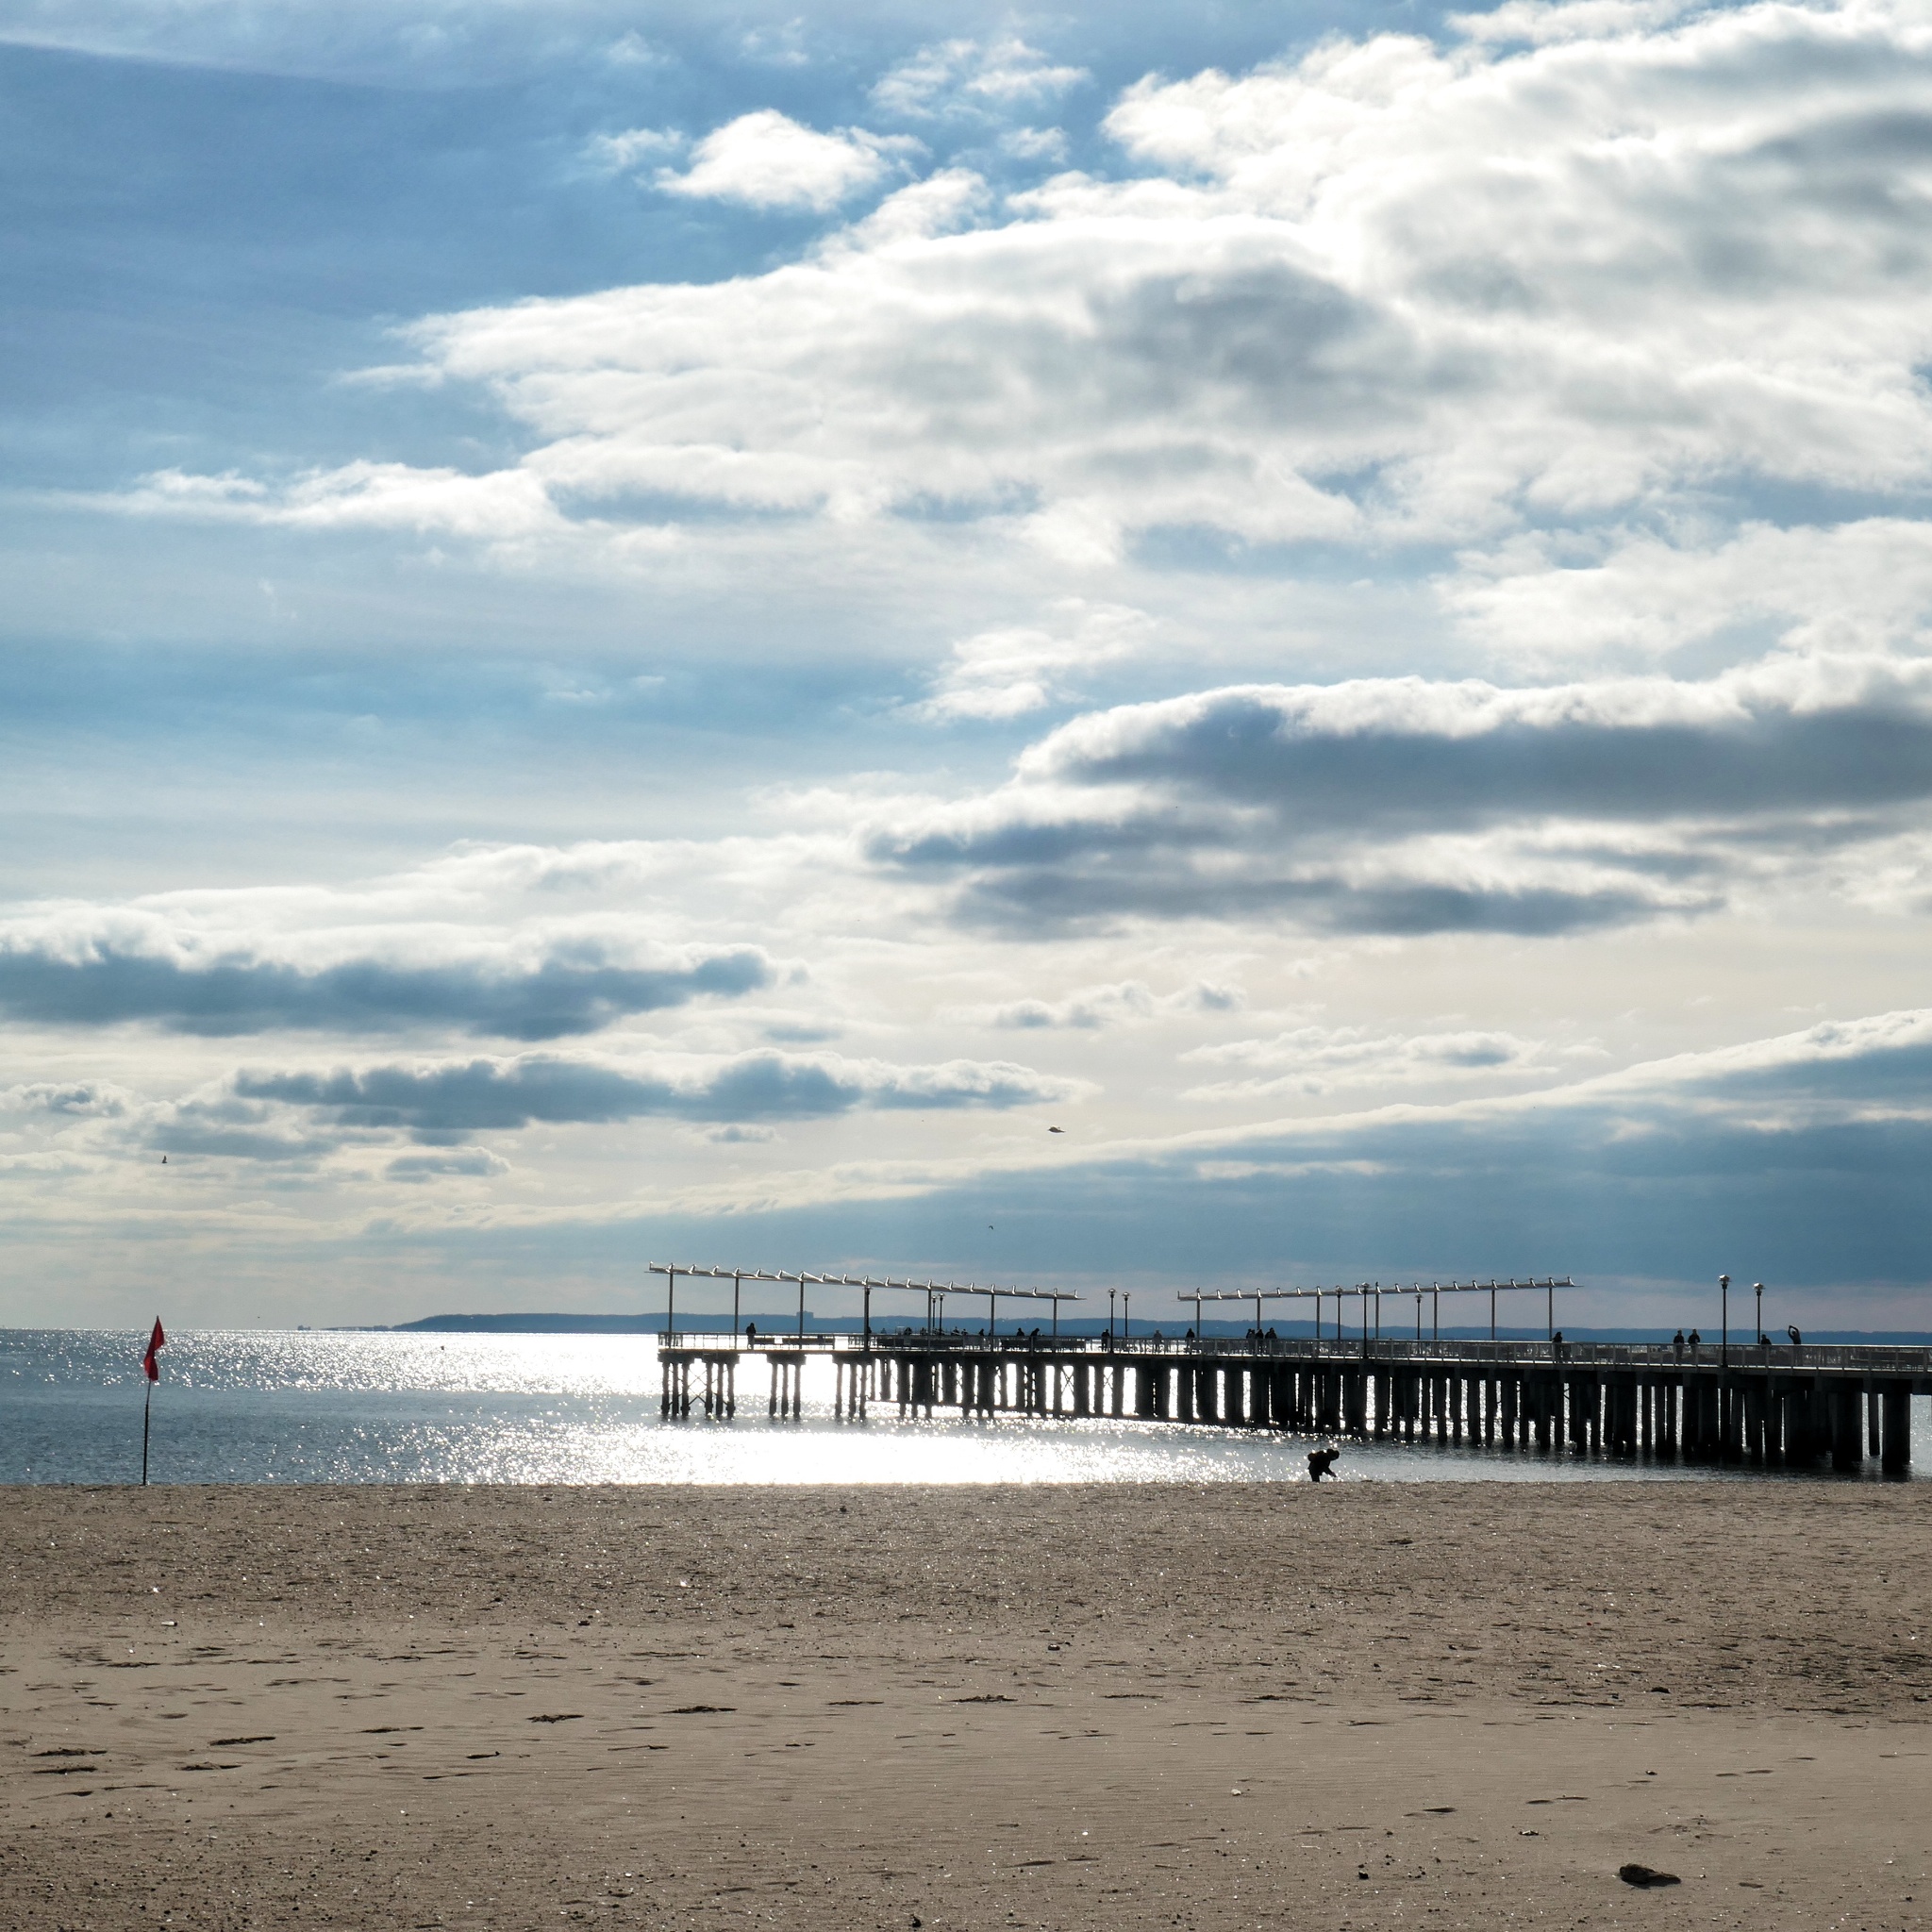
x=261 y=1406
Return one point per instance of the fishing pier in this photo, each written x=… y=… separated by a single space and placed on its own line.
x=1758 y=1403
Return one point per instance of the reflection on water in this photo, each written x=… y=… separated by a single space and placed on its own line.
x=565 y=1409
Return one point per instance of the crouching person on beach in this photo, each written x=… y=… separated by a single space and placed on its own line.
x=1322 y=1462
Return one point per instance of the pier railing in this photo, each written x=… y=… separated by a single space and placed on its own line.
x=1874 y=1359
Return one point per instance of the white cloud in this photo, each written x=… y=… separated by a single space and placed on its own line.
x=502 y=505
x=766 y=160
x=1315 y=1059
x=1543 y=20
x=1035 y=143
x=1124 y=1002
x=1008 y=673
x=1389 y=294
x=974 y=76
x=1863 y=585
x=943 y=203
x=617 y=154
x=632 y=50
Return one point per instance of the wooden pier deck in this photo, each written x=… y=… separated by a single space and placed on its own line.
x=1792 y=1407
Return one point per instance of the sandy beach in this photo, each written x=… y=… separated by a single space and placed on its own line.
x=1363 y=1706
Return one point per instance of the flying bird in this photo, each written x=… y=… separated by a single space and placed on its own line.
x=1056 y=1130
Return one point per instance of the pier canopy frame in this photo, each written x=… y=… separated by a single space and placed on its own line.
x=935 y=1292
x=1366 y=1290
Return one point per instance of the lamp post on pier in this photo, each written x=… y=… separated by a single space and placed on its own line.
x=1758 y=1289
x=1724 y=1343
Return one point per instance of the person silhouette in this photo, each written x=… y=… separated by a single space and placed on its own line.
x=1321 y=1463
x=1797 y=1339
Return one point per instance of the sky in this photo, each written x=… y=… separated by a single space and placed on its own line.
x=642 y=632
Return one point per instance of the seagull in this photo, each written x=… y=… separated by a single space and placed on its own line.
x=164 y=1157
x=1056 y=1130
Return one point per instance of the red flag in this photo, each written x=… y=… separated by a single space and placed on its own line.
x=149 y=1366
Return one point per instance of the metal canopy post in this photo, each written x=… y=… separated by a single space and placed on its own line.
x=800 y=1307
x=670 y=1305
x=1492 y=1311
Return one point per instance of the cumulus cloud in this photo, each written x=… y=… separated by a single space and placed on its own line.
x=447 y=1100
x=1389 y=292
x=1864 y=585
x=1405 y=804
x=973 y=77
x=767 y=159
x=1009 y=672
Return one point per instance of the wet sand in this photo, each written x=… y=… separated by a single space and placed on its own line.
x=1361 y=1706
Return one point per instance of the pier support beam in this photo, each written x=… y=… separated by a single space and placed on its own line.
x=1895 y=1453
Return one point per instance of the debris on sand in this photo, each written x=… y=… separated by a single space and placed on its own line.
x=1642 y=1874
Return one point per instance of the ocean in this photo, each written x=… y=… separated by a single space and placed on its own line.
x=302 y=1407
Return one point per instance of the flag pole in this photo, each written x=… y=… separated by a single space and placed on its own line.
x=151 y=1369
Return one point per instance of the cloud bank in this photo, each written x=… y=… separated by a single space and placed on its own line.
x=1408 y=806
x=1391 y=293
x=438 y=1102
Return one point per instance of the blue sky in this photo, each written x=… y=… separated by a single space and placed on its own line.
x=635 y=631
